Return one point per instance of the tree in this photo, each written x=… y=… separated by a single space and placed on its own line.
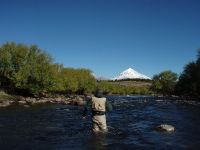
x=25 y=68
x=189 y=80
x=87 y=82
x=12 y=58
x=164 y=82
x=78 y=80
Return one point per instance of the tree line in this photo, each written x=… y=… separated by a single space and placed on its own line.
x=29 y=70
x=187 y=84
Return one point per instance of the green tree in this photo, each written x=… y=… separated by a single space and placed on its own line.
x=57 y=82
x=25 y=68
x=69 y=79
x=78 y=80
x=12 y=57
x=189 y=80
x=36 y=75
x=164 y=82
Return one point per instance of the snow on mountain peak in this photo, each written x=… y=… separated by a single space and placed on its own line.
x=130 y=74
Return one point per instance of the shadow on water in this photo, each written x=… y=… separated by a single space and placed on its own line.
x=131 y=126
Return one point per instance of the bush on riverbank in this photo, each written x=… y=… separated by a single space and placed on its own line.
x=164 y=83
x=189 y=80
x=28 y=70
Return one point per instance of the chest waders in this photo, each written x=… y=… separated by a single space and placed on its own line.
x=98 y=114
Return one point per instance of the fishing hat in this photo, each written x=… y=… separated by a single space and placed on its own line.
x=99 y=93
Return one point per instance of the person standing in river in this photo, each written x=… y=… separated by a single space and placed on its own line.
x=98 y=105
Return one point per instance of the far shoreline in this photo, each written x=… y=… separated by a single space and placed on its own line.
x=7 y=100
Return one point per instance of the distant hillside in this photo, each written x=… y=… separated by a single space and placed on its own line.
x=134 y=82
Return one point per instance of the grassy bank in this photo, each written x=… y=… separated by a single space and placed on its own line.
x=136 y=83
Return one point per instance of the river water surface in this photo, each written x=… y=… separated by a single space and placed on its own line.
x=131 y=126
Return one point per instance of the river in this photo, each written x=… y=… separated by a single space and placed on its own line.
x=131 y=126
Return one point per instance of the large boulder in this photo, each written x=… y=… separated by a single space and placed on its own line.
x=165 y=127
x=4 y=103
x=78 y=100
x=22 y=102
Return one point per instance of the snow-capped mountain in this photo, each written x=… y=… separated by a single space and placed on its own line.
x=130 y=74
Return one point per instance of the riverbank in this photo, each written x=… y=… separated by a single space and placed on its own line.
x=8 y=100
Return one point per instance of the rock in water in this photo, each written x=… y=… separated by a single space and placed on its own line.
x=165 y=127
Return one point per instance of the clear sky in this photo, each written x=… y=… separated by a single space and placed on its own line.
x=107 y=36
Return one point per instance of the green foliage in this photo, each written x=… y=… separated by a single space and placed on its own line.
x=164 y=82
x=11 y=59
x=32 y=71
x=78 y=80
x=25 y=68
x=189 y=80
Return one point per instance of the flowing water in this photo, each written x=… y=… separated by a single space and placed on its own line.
x=131 y=126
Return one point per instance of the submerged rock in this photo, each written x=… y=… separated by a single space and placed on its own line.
x=165 y=127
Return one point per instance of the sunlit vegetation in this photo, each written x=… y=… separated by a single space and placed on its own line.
x=29 y=70
x=188 y=83
x=123 y=89
x=164 y=83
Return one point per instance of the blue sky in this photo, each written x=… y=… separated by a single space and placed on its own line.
x=107 y=36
